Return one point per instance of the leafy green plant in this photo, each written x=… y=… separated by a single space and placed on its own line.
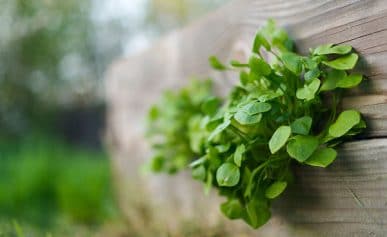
x=43 y=179
x=283 y=111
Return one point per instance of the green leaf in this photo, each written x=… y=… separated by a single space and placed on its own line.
x=223 y=147
x=343 y=63
x=332 y=78
x=211 y=105
x=258 y=213
x=269 y=95
x=216 y=64
x=310 y=63
x=238 y=155
x=236 y=63
x=328 y=49
x=320 y=50
x=322 y=157
x=199 y=173
x=279 y=138
x=259 y=66
x=219 y=129
x=244 y=77
x=293 y=62
x=312 y=74
x=350 y=81
x=302 y=125
x=197 y=162
x=275 y=189
x=346 y=120
x=228 y=175
x=154 y=113
x=259 y=41
x=256 y=107
x=157 y=163
x=301 y=147
x=232 y=209
x=244 y=118
x=341 y=49
x=308 y=91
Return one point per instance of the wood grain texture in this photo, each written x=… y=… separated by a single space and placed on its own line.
x=348 y=199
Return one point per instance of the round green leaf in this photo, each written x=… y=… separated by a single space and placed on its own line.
x=343 y=63
x=275 y=189
x=279 y=138
x=308 y=91
x=256 y=107
x=350 y=81
x=293 y=62
x=244 y=118
x=228 y=175
x=302 y=125
x=322 y=157
x=332 y=78
x=346 y=120
x=199 y=173
x=301 y=147
x=232 y=209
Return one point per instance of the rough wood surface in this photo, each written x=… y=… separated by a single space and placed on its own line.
x=350 y=198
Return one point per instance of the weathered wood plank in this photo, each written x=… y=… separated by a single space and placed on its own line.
x=228 y=33
x=348 y=199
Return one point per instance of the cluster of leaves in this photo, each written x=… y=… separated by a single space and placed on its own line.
x=176 y=114
x=283 y=110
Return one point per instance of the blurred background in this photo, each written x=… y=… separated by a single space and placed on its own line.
x=55 y=176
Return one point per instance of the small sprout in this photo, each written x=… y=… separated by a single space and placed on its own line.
x=216 y=64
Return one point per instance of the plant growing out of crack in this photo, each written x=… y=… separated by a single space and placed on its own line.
x=282 y=111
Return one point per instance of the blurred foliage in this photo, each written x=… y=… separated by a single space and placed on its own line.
x=46 y=61
x=52 y=58
x=163 y=15
x=42 y=178
x=53 y=53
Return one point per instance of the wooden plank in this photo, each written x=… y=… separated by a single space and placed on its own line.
x=347 y=199
x=228 y=33
x=352 y=191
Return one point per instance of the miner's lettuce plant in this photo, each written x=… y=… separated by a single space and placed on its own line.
x=284 y=110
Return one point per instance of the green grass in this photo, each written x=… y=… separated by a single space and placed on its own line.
x=43 y=180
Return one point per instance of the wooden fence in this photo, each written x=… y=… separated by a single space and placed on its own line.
x=347 y=199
